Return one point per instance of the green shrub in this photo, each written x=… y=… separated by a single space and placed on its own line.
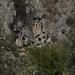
x=20 y=6
x=71 y=51
x=49 y=59
x=71 y=20
x=10 y=61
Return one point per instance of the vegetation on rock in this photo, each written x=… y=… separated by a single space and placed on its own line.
x=47 y=60
x=71 y=37
x=50 y=60
x=20 y=6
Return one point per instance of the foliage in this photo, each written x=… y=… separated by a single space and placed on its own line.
x=13 y=64
x=71 y=37
x=49 y=59
x=71 y=20
x=10 y=61
x=20 y=6
x=10 y=65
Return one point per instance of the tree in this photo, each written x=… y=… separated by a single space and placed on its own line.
x=13 y=64
x=20 y=6
x=49 y=59
x=10 y=61
x=71 y=37
x=71 y=20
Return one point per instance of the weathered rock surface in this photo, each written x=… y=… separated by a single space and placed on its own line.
x=6 y=13
x=42 y=23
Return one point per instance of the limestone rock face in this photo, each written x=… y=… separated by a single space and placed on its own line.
x=42 y=23
x=6 y=13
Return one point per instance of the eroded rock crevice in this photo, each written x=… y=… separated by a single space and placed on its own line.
x=40 y=23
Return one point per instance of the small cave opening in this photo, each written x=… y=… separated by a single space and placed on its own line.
x=39 y=39
x=14 y=39
x=23 y=38
x=25 y=45
x=34 y=18
x=47 y=37
x=18 y=31
x=38 y=44
x=37 y=36
x=45 y=41
x=63 y=31
x=28 y=44
x=32 y=42
x=43 y=32
x=44 y=37
x=44 y=16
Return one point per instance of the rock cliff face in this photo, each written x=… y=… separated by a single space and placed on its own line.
x=42 y=23
x=6 y=13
